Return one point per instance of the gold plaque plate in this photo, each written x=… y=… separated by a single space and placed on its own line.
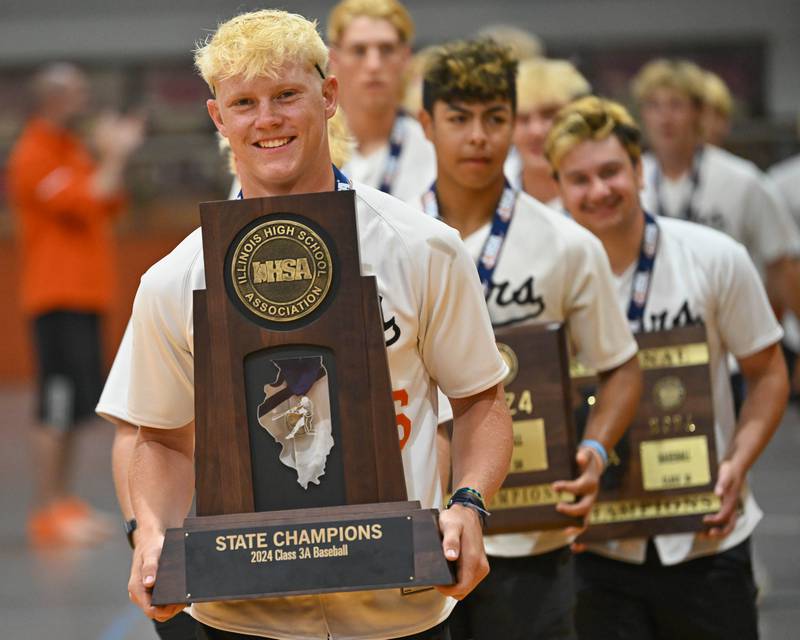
x=530 y=448
x=613 y=511
x=680 y=355
x=533 y=495
x=675 y=463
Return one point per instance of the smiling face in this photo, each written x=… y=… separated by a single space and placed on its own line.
x=600 y=186
x=471 y=140
x=277 y=129
x=369 y=60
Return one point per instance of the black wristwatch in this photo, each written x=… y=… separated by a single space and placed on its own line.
x=129 y=526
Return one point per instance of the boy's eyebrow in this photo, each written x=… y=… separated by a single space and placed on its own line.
x=455 y=107
x=498 y=107
x=604 y=165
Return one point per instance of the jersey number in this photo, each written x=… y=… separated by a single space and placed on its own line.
x=403 y=422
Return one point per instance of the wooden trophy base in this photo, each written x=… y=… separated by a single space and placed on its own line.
x=649 y=516
x=663 y=470
x=516 y=509
x=539 y=396
x=302 y=551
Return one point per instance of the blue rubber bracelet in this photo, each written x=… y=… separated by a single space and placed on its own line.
x=596 y=446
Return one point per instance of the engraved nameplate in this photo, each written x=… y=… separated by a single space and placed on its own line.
x=675 y=463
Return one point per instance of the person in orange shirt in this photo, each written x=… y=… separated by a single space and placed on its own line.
x=64 y=202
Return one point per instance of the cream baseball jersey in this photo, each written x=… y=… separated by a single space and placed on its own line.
x=701 y=275
x=731 y=195
x=551 y=269
x=413 y=168
x=113 y=403
x=786 y=176
x=437 y=332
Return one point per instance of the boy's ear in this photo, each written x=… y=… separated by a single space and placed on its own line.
x=216 y=116
x=426 y=120
x=330 y=95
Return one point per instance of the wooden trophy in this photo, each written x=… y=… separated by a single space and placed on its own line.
x=299 y=481
x=662 y=473
x=539 y=399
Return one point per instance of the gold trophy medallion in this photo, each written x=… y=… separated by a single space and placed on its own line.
x=281 y=270
x=510 y=358
x=669 y=393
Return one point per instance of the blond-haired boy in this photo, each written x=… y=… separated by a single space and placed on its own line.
x=272 y=99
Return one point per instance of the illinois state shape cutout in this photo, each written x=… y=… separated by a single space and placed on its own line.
x=296 y=413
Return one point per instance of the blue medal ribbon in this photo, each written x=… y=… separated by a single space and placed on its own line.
x=642 y=277
x=501 y=220
x=396 y=139
x=342 y=181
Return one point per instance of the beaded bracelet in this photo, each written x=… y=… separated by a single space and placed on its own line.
x=472 y=499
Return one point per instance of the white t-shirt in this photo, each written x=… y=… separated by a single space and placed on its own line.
x=733 y=196
x=113 y=401
x=551 y=269
x=701 y=274
x=416 y=168
x=512 y=168
x=437 y=332
x=786 y=176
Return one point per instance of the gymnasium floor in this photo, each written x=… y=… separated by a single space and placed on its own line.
x=81 y=594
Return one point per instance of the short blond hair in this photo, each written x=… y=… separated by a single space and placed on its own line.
x=543 y=81
x=681 y=75
x=591 y=118
x=717 y=95
x=412 y=90
x=392 y=11
x=259 y=43
x=523 y=44
x=340 y=139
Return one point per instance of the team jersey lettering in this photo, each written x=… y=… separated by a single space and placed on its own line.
x=525 y=294
x=403 y=421
x=391 y=330
x=684 y=317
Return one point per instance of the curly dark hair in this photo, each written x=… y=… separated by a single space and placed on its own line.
x=470 y=71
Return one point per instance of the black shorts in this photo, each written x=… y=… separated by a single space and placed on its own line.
x=707 y=598
x=526 y=598
x=70 y=366
x=181 y=627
